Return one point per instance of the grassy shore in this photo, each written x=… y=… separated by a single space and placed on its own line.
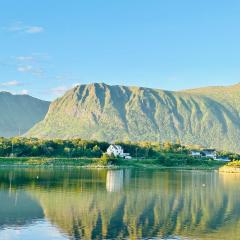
x=45 y=161
x=231 y=167
x=173 y=163
x=119 y=163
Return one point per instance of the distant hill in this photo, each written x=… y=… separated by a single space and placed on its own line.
x=19 y=113
x=206 y=116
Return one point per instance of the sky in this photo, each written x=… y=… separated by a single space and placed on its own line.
x=47 y=47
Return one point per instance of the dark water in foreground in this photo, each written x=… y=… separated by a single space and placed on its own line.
x=118 y=204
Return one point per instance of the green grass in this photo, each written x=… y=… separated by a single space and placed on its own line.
x=234 y=164
x=173 y=163
x=231 y=167
x=39 y=161
x=167 y=160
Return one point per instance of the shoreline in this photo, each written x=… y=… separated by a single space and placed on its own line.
x=226 y=169
x=92 y=163
x=231 y=167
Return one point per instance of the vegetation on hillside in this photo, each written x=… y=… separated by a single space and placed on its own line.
x=120 y=113
x=19 y=113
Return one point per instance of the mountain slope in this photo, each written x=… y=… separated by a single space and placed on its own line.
x=19 y=113
x=99 y=111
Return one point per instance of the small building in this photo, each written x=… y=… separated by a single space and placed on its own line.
x=194 y=153
x=209 y=153
x=117 y=151
x=223 y=159
x=127 y=156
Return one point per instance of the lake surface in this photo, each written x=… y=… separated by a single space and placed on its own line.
x=118 y=204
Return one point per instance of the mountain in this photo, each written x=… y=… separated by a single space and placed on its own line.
x=206 y=116
x=19 y=113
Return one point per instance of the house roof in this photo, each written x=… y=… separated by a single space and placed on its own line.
x=116 y=146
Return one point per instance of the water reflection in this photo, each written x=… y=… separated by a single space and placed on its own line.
x=116 y=179
x=18 y=209
x=142 y=204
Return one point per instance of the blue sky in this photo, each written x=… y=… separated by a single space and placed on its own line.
x=49 y=46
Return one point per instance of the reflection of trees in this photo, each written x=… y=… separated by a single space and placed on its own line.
x=145 y=203
x=199 y=204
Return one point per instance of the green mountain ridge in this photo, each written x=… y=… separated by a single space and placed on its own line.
x=19 y=113
x=206 y=116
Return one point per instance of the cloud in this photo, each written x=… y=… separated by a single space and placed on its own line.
x=9 y=87
x=24 y=58
x=32 y=69
x=26 y=68
x=59 y=90
x=24 y=92
x=75 y=84
x=33 y=64
x=22 y=28
x=10 y=84
x=69 y=78
x=34 y=29
x=34 y=58
x=19 y=92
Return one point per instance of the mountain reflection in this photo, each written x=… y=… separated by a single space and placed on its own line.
x=142 y=204
x=18 y=209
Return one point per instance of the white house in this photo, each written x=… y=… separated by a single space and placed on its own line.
x=195 y=153
x=117 y=151
x=223 y=159
x=209 y=153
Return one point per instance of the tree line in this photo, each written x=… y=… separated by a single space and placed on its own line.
x=26 y=147
x=33 y=147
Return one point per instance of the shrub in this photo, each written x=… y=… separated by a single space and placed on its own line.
x=106 y=160
x=234 y=163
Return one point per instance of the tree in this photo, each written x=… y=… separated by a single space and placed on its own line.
x=96 y=151
x=107 y=159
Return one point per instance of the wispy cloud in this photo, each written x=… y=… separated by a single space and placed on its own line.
x=58 y=91
x=34 y=29
x=33 y=64
x=24 y=92
x=13 y=83
x=24 y=58
x=34 y=57
x=18 y=92
x=75 y=84
x=23 y=28
x=34 y=70
x=26 y=68
x=29 y=64
x=10 y=86
x=68 y=78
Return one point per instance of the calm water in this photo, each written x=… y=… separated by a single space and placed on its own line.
x=118 y=204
